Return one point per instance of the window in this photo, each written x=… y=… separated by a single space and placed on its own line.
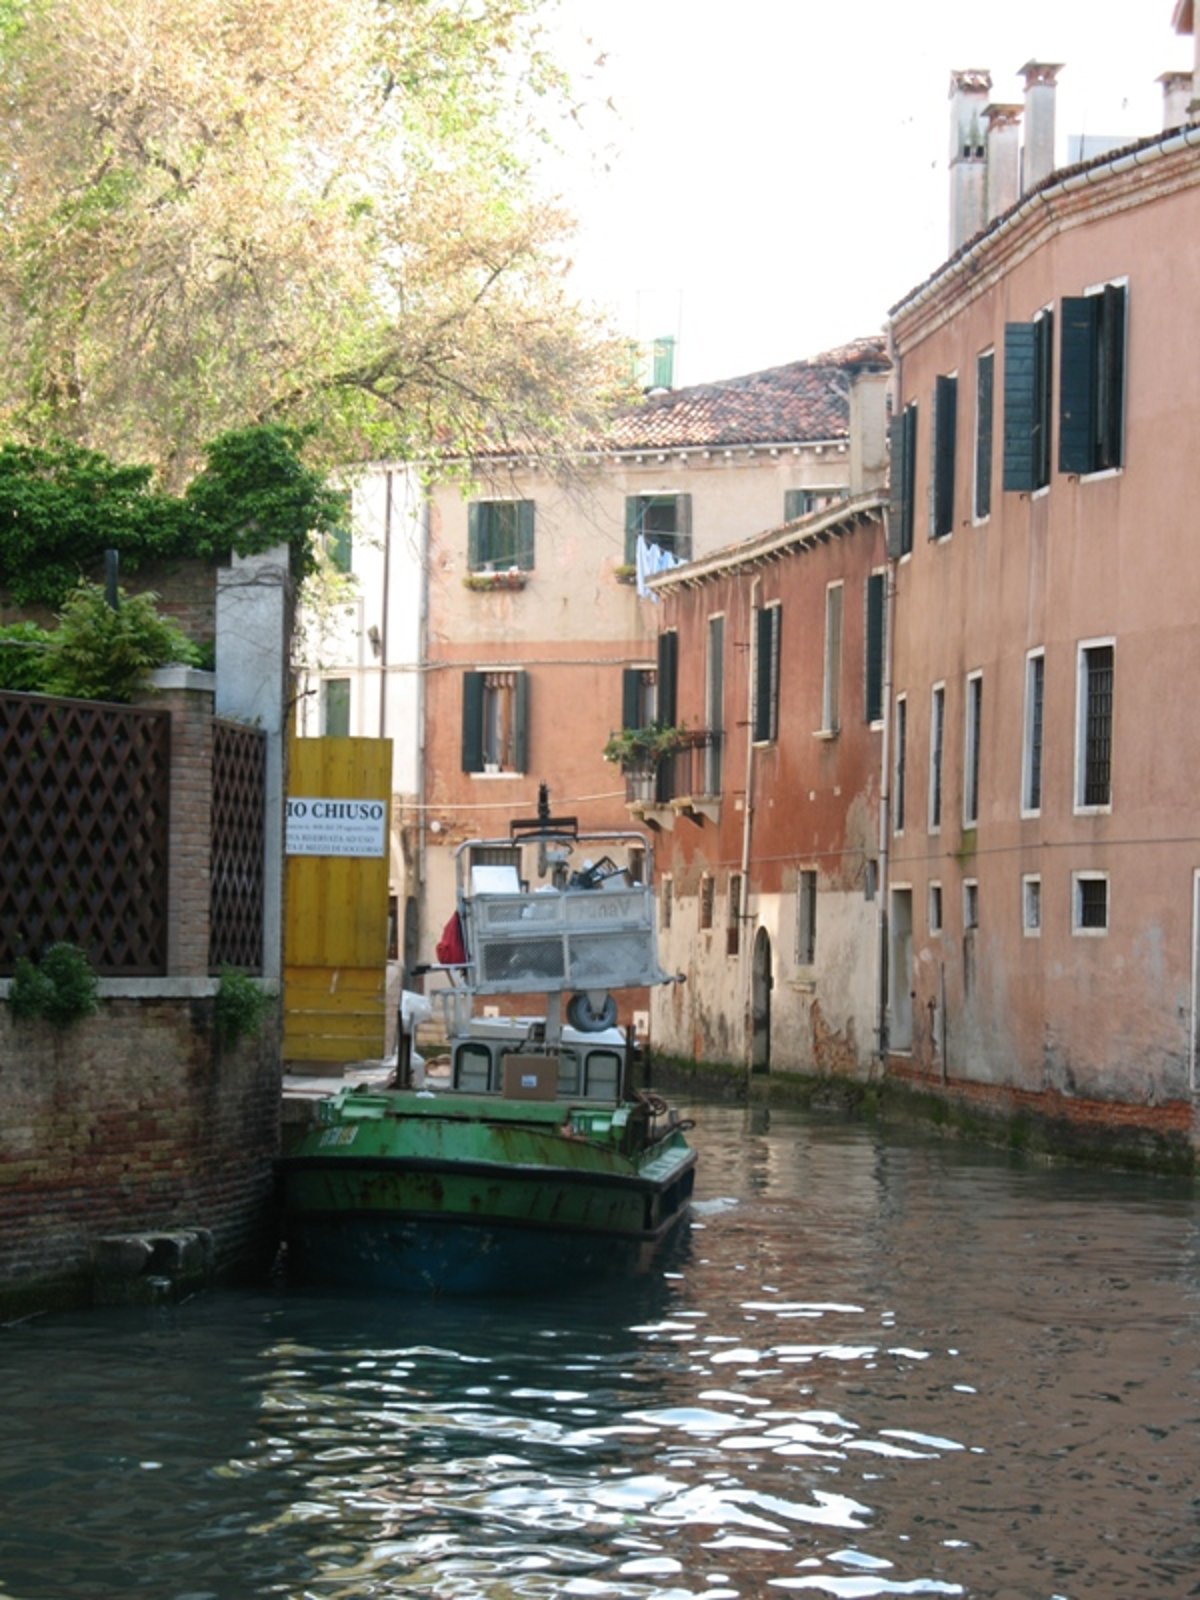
x=800 y=502
x=636 y=864
x=831 y=697
x=985 y=373
x=945 y=442
x=1031 y=905
x=876 y=594
x=1091 y=398
x=707 y=895
x=1028 y=391
x=1093 y=727
x=902 y=438
x=935 y=908
x=639 y=697
x=714 y=704
x=971 y=750
x=970 y=905
x=1089 y=897
x=667 y=678
x=661 y=519
x=668 y=903
x=500 y=535
x=495 y=725
x=335 y=708
x=1031 y=758
x=766 y=674
x=937 y=734
x=806 y=918
x=733 y=921
x=901 y=756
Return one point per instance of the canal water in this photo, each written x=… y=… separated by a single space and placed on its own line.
x=876 y=1367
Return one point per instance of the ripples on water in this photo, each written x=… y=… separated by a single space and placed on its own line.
x=873 y=1370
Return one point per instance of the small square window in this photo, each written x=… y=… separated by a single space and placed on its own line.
x=1090 y=902
x=1031 y=905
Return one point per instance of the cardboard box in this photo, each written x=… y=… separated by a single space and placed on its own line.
x=530 y=1077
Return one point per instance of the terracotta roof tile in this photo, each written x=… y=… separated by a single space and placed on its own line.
x=802 y=401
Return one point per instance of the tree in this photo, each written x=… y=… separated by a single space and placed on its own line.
x=223 y=212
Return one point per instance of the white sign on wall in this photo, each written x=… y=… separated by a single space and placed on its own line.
x=325 y=827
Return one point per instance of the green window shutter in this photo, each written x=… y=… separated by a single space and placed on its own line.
x=903 y=436
x=475 y=518
x=985 y=368
x=633 y=524
x=668 y=663
x=795 y=503
x=1020 y=409
x=520 y=722
x=631 y=697
x=766 y=668
x=1111 y=377
x=472 y=722
x=683 y=526
x=873 y=684
x=1077 y=385
x=945 y=443
x=896 y=487
x=525 y=535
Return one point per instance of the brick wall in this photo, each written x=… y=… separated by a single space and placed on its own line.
x=131 y=1121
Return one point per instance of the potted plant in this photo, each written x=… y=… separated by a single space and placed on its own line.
x=639 y=750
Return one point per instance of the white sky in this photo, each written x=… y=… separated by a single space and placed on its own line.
x=776 y=169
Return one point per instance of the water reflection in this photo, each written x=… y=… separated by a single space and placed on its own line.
x=873 y=1370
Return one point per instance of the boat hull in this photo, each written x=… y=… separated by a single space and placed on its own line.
x=500 y=1200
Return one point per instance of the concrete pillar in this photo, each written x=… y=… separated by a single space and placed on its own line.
x=969 y=90
x=1003 y=158
x=1039 y=158
x=254 y=607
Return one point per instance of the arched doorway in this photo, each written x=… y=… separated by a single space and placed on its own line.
x=760 y=1004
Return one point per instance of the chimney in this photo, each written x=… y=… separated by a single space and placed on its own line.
x=1177 y=99
x=968 y=163
x=1040 y=78
x=1003 y=159
x=1184 y=22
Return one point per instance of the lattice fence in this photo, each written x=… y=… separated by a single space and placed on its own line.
x=84 y=802
x=238 y=815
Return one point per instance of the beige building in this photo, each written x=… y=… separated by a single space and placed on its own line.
x=499 y=637
x=1042 y=872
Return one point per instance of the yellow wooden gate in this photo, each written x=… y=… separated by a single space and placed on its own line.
x=335 y=942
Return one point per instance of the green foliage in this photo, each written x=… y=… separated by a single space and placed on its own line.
x=255 y=492
x=61 y=988
x=97 y=653
x=62 y=507
x=241 y=1007
x=641 y=749
x=23 y=657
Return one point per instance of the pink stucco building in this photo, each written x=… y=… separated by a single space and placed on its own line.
x=1042 y=853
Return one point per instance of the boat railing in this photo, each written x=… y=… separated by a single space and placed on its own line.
x=551 y=939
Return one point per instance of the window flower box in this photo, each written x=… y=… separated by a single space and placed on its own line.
x=485 y=582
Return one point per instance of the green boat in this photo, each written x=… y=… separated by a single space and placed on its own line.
x=534 y=1164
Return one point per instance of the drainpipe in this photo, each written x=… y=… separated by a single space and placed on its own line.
x=387 y=603
x=885 y=818
x=747 y=819
x=422 y=667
